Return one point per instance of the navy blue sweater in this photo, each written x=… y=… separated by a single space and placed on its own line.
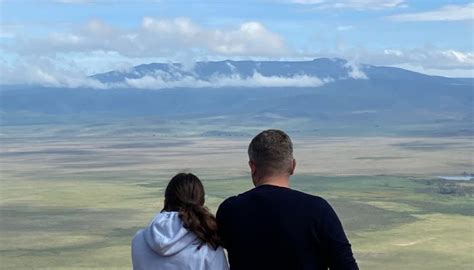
x=272 y=227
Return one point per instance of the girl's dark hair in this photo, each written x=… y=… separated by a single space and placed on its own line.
x=185 y=194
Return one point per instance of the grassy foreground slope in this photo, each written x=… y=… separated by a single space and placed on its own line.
x=73 y=197
x=393 y=222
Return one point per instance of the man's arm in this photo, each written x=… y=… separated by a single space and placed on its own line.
x=221 y=217
x=337 y=247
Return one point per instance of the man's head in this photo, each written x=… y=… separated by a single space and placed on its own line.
x=271 y=156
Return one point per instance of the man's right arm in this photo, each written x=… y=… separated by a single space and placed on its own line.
x=222 y=221
x=337 y=247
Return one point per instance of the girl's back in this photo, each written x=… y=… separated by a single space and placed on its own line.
x=184 y=235
x=166 y=244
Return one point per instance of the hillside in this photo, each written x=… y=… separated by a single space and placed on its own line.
x=323 y=90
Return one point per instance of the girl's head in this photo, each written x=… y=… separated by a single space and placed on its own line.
x=185 y=194
x=184 y=189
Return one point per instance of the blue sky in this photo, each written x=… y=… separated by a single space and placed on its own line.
x=61 y=38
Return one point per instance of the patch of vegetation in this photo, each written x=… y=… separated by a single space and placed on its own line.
x=424 y=146
x=449 y=187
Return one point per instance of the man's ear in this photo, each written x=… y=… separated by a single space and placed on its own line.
x=253 y=168
x=293 y=166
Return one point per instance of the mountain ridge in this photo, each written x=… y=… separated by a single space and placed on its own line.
x=334 y=68
x=371 y=96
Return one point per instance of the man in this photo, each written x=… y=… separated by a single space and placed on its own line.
x=275 y=227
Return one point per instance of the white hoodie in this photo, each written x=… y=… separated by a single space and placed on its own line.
x=166 y=244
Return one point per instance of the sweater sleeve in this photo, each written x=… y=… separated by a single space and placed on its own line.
x=338 y=250
x=221 y=217
x=218 y=262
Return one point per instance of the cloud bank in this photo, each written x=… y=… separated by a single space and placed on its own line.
x=159 y=81
x=439 y=59
x=425 y=58
x=45 y=73
x=352 y=4
x=445 y=13
x=157 y=37
x=66 y=57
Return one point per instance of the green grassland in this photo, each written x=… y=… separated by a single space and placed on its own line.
x=76 y=202
x=74 y=224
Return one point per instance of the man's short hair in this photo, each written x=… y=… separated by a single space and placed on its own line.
x=272 y=152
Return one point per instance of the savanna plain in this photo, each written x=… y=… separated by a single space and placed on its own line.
x=72 y=198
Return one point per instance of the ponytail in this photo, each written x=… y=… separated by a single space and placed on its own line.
x=197 y=219
x=185 y=194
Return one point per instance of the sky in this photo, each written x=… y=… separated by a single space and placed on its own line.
x=50 y=41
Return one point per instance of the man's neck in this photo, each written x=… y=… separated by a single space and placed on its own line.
x=280 y=181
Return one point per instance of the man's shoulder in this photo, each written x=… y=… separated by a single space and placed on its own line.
x=308 y=196
x=232 y=200
x=290 y=194
x=227 y=202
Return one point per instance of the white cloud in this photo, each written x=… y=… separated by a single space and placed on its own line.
x=467 y=58
x=44 y=72
x=345 y=27
x=428 y=58
x=157 y=37
x=445 y=13
x=393 y=52
x=355 y=71
x=159 y=81
x=454 y=73
x=352 y=4
x=250 y=38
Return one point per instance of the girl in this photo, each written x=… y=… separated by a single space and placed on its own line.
x=183 y=235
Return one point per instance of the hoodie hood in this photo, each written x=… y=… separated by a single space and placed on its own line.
x=166 y=234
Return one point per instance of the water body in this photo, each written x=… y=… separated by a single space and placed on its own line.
x=457 y=178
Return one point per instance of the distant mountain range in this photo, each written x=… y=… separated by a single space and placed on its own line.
x=328 y=90
x=325 y=69
x=322 y=68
